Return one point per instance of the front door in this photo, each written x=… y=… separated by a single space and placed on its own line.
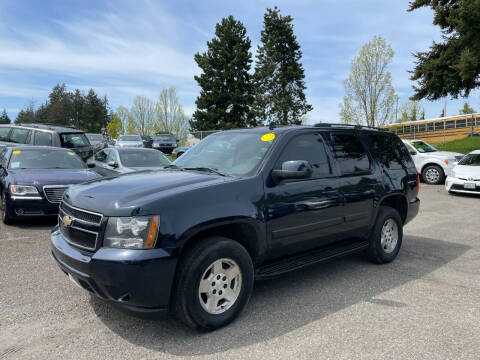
x=305 y=213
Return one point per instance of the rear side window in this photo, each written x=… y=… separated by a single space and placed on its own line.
x=74 y=140
x=307 y=147
x=350 y=154
x=42 y=138
x=20 y=136
x=390 y=150
x=4 y=133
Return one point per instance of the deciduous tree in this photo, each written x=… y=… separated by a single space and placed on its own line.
x=369 y=94
x=411 y=111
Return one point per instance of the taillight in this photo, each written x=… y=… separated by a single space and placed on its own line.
x=417 y=178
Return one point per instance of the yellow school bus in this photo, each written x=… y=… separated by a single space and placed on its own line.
x=438 y=130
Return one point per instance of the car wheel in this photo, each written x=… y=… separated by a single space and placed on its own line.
x=6 y=217
x=386 y=238
x=214 y=281
x=179 y=154
x=433 y=175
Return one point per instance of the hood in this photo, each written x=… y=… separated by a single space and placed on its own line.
x=126 y=193
x=142 y=168
x=467 y=172
x=444 y=154
x=41 y=177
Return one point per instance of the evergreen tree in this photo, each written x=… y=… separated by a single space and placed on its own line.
x=59 y=108
x=226 y=94
x=279 y=76
x=4 y=119
x=27 y=115
x=451 y=66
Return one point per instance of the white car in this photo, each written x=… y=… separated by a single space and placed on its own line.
x=433 y=165
x=465 y=177
x=129 y=141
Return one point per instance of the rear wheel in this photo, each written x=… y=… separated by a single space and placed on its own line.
x=433 y=175
x=6 y=217
x=386 y=238
x=214 y=282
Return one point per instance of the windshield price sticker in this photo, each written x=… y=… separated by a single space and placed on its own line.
x=268 y=137
x=70 y=153
x=16 y=152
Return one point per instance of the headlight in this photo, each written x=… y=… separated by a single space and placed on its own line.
x=23 y=190
x=139 y=232
x=452 y=174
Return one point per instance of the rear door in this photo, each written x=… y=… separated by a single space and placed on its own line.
x=304 y=213
x=20 y=136
x=358 y=182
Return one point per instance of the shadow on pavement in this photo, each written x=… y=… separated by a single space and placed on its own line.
x=284 y=304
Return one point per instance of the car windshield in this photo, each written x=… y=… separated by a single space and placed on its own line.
x=74 y=140
x=95 y=137
x=230 y=153
x=143 y=158
x=130 y=138
x=164 y=138
x=423 y=147
x=45 y=159
x=470 y=160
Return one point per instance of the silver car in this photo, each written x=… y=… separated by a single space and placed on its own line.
x=130 y=141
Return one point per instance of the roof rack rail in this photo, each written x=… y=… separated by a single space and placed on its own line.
x=357 y=127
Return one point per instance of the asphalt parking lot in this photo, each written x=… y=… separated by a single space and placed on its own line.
x=425 y=305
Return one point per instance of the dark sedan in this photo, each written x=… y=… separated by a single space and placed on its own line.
x=34 y=178
x=116 y=161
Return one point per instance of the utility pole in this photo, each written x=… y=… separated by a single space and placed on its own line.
x=396 y=110
x=445 y=108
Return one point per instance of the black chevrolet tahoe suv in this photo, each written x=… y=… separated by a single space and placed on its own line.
x=241 y=205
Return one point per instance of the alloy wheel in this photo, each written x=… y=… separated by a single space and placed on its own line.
x=389 y=237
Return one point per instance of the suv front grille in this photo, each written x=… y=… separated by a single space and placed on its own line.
x=54 y=194
x=82 y=215
x=79 y=227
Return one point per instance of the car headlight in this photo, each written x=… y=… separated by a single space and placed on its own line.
x=23 y=190
x=138 y=232
x=452 y=174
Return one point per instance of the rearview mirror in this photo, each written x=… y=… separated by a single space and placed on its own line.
x=295 y=169
x=113 y=164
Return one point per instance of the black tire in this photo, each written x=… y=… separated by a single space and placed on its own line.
x=186 y=303
x=437 y=179
x=6 y=217
x=376 y=252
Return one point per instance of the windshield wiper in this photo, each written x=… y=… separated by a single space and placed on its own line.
x=173 y=166
x=207 y=169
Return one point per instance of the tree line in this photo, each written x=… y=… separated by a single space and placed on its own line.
x=88 y=112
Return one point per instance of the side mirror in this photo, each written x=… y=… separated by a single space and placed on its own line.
x=91 y=165
x=113 y=164
x=295 y=169
x=413 y=152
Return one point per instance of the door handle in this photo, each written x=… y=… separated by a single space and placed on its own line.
x=318 y=204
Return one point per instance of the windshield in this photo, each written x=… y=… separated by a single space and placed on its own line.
x=423 y=147
x=74 y=140
x=45 y=159
x=230 y=153
x=164 y=138
x=95 y=137
x=471 y=160
x=130 y=138
x=143 y=159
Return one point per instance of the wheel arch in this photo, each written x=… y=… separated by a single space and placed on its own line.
x=398 y=202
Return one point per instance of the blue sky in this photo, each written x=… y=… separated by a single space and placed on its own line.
x=127 y=48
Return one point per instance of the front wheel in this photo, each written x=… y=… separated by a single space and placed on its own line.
x=386 y=238
x=433 y=175
x=6 y=217
x=214 y=282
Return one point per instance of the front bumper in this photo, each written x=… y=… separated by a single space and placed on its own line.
x=30 y=206
x=138 y=281
x=458 y=185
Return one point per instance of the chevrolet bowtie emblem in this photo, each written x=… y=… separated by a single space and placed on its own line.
x=67 y=221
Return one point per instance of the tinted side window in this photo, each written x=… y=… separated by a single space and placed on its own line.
x=42 y=138
x=101 y=156
x=4 y=130
x=389 y=150
x=20 y=136
x=350 y=154
x=307 y=147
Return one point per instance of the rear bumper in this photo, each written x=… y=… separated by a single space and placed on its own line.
x=413 y=209
x=137 y=281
